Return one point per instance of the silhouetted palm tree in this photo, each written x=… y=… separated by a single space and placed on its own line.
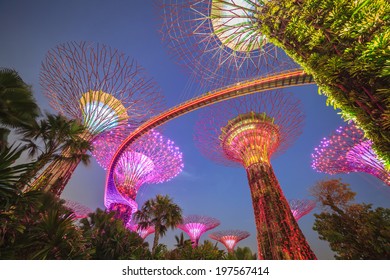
x=17 y=104
x=161 y=213
x=54 y=138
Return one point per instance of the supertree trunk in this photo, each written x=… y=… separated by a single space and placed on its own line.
x=278 y=234
x=57 y=175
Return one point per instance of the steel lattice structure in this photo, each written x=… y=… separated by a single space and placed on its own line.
x=195 y=226
x=219 y=40
x=99 y=86
x=301 y=207
x=80 y=211
x=247 y=132
x=347 y=150
x=229 y=238
x=152 y=159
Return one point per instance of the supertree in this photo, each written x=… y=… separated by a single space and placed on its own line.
x=141 y=232
x=80 y=211
x=247 y=132
x=101 y=88
x=152 y=159
x=347 y=150
x=195 y=226
x=229 y=238
x=301 y=207
x=219 y=40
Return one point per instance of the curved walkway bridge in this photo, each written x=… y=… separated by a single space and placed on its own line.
x=278 y=80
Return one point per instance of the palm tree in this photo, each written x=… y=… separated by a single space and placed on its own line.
x=161 y=213
x=9 y=175
x=17 y=104
x=54 y=138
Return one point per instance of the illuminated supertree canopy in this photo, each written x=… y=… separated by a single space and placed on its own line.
x=78 y=209
x=247 y=132
x=152 y=159
x=141 y=232
x=347 y=150
x=99 y=86
x=301 y=207
x=219 y=40
x=229 y=238
x=195 y=226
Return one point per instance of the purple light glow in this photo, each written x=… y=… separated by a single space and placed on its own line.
x=301 y=207
x=347 y=150
x=229 y=238
x=141 y=232
x=151 y=159
x=195 y=226
x=80 y=211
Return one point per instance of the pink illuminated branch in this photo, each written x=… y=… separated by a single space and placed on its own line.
x=347 y=150
x=301 y=207
x=152 y=159
x=229 y=238
x=195 y=226
x=78 y=209
x=142 y=232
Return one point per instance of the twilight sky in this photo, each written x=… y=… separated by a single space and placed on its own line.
x=28 y=29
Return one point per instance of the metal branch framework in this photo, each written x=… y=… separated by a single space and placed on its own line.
x=195 y=226
x=99 y=86
x=80 y=211
x=248 y=131
x=279 y=107
x=347 y=150
x=152 y=159
x=301 y=207
x=219 y=40
x=229 y=238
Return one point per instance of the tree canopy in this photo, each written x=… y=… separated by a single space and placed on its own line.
x=345 y=45
x=353 y=230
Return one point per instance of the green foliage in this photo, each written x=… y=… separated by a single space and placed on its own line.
x=240 y=253
x=39 y=226
x=53 y=138
x=161 y=213
x=9 y=175
x=345 y=45
x=110 y=240
x=17 y=105
x=205 y=251
x=354 y=231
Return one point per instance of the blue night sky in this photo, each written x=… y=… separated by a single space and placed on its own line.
x=28 y=29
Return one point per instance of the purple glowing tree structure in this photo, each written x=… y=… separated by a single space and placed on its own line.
x=141 y=232
x=80 y=211
x=347 y=150
x=219 y=40
x=301 y=207
x=152 y=159
x=229 y=238
x=247 y=132
x=98 y=86
x=195 y=226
